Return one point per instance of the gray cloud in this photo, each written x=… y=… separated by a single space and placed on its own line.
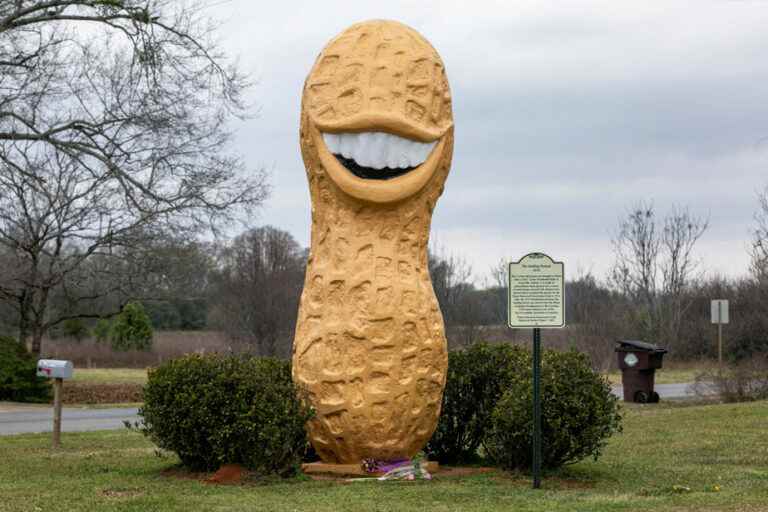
x=566 y=115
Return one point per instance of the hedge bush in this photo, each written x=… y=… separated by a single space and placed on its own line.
x=101 y=330
x=213 y=410
x=579 y=414
x=18 y=374
x=477 y=377
x=74 y=328
x=131 y=329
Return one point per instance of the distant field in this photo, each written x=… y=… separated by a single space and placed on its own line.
x=110 y=375
x=664 y=376
x=171 y=344
x=88 y=353
x=139 y=376
x=669 y=458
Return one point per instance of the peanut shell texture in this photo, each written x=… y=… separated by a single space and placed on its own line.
x=377 y=141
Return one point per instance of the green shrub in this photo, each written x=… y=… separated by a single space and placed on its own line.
x=18 y=374
x=477 y=376
x=579 y=414
x=131 y=329
x=101 y=330
x=213 y=410
x=74 y=328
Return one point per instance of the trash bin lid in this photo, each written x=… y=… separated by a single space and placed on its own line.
x=639 y=345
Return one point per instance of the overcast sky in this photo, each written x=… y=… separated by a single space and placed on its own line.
x=566 y=114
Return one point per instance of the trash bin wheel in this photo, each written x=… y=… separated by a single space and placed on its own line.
x=641 y=397
x=654 y=397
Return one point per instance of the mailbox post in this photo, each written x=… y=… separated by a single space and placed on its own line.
x=58 y=371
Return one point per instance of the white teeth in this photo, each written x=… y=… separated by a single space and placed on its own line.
x=378 y=150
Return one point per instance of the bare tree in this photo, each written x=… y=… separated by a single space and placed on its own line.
x=497 y=285
x=760 y=239
x=654 y=266
x=113 y=127
x=448 y=273
x=451 y=280
x=257 y=289
x=157 y=271
x=596 y=318
x=679 y=268
x=636 y=249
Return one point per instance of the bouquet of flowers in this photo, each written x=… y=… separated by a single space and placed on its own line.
x=399 y=469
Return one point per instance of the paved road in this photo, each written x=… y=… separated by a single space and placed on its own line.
x=18 y=419
x=22 y=420
x=665 y=390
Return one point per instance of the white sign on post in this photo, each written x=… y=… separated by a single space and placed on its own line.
x=536 y=292
x=720 y=312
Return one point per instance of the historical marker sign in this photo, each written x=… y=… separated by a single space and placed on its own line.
x=537 y=301
x=536 y=292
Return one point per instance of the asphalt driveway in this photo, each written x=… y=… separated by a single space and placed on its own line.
x=23 y=419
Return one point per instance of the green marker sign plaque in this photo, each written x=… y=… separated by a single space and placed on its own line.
x=536 y=293
x=536 y=301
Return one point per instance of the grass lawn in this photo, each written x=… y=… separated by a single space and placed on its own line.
x=110 y=375
x=664 y=446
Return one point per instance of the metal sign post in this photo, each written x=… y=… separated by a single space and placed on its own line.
x=720 y=317
x=720 y=344
x=536 y=288
x=537 y=408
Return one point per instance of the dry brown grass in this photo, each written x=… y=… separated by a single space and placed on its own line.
x=167 y=345
x=170 y=344
x=86 y=393
x=600 y=349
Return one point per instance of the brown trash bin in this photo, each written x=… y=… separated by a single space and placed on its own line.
x=638 y=362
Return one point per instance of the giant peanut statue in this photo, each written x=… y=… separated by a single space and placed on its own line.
x=377 y=141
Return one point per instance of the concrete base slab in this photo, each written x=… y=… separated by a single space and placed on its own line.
x=352 y=469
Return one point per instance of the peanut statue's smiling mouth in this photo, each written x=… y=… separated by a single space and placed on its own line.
x=375 y=165
x=377 y=155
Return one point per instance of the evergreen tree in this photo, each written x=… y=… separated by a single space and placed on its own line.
x=131 y=329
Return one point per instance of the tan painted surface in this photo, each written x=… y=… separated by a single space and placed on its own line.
x=370 y=343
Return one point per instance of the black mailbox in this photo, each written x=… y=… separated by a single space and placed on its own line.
x=638 y=362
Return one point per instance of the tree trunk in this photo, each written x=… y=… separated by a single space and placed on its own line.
x=37 y=342
x=24 y=308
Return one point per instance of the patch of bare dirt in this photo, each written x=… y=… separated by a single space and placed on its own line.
x=228 y=474
x=92 y=393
